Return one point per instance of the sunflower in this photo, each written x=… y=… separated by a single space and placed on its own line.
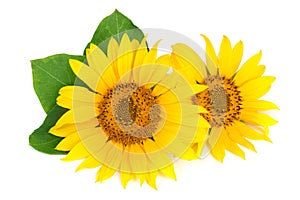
x=232 y=97
x=134 y=116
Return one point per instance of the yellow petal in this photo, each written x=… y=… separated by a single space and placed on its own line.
x=71 y=140
x=78 y=93
x=108 y=78
x=107 y=152
x=164 y=60
x=166 y=95
x=249 y=132
x=230 y=58
x=257 y=118
x=201 y=136
x=249 y=70
x=63 y=131
x=142 y=178
x=187 y=91
x=69 y=103
x=189 y=154
x=134 y=159
x=125 y=45
x=155 y=159
x=125 y=178
x=150 y=146
x=184 y=111
x=77 y=153
x=212 y=60
x=88 y=50
x=235 y=135
x=140 y=53
x=197 y=148
x=97 y=59
x=125 y=56
x=135 y=148
x=225 y=57
x=68 y=143
x=135 y=44
x=188 y=123
x=92 y=140
x=216 y=143
x=150 y=57
x=150 y=73
x=237 y=54
x=112 y=49
x=80 y=114
x=67 y=129
x=85 y=73
x=256 y=88
x=112 y=54
x=78 y=96
x=165 y=87
x=89 y=162
x=259 y=105
x=168 y=171
x=232 y=146
x=204 y=123
x=67 y=118
x=189 y=57
x=104 y=173
x=183 y=68
x=151 y=179
x=162 y=139
x=218 y=152
x=214 y=136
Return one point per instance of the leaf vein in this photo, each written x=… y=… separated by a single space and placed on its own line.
x=48 y=142
x=52 y=76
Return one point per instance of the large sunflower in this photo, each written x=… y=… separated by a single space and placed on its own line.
x=133 y=116
x=232 y=97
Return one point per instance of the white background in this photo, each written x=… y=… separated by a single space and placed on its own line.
x=35 y=29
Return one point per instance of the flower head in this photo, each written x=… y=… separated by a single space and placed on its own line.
x=235 y=111
x=132 y=116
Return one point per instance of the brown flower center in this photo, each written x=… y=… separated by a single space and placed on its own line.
x=129 y=114
x=221 y=99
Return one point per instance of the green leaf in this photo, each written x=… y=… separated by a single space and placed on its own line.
x=52 y=73
x=41 y=139
x=49 y=75
x=115 y=25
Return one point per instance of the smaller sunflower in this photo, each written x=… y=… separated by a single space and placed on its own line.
x=133 y=117
x=232 y=97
